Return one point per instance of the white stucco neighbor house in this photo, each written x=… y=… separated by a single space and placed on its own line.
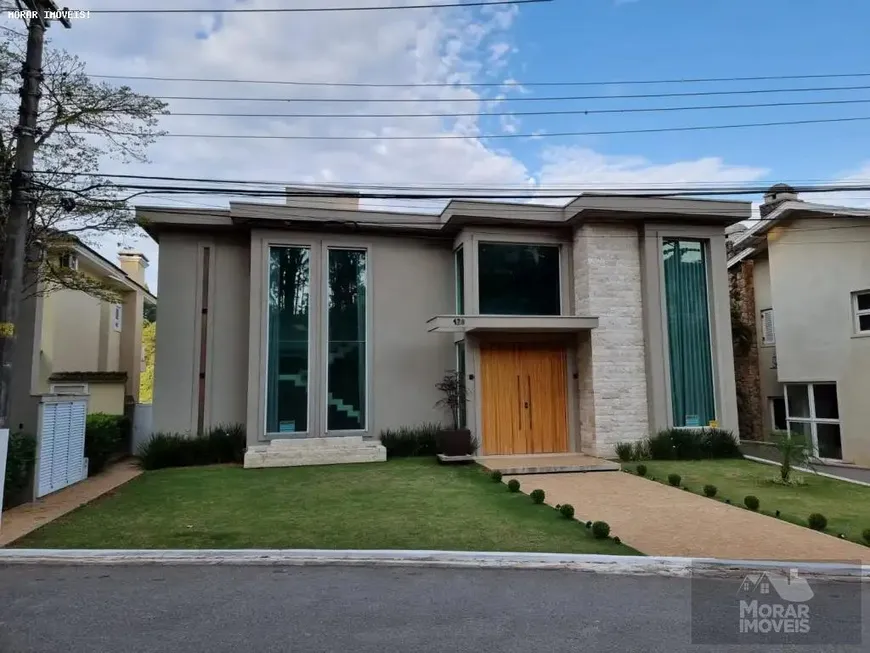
x=318 y=324
x=803 y=275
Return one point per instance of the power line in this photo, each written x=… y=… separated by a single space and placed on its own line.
x=563 y=98
x=302 y=189
x=553 y=112
x=311 y=10
x=439 y=137
x=511 y=83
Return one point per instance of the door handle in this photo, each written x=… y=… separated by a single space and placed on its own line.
x=519 y=401
x=529 y=402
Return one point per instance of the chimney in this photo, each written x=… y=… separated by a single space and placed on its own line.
x=134 y=264
x=775 y=196
x=308 y=197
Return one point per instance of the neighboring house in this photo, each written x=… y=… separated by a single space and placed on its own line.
x=69 y=342
x=800 y=280
x=575 y=327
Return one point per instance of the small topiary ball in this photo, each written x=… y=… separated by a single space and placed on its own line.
x=710 y=491
x=538 y=496
x=616 y=540
x=600 y=530
x=589 y=524
x=496 y=476
x=751 y=502
x=674 y=479
x=866 y=535
x=558 y=506
x=513 y=485
x=641 y=470
x=817 y=521
x=567 y=510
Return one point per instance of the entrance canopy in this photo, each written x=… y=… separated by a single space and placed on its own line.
x=510 y=324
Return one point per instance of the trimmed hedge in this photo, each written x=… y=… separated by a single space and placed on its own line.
x=411 y=441
x=105 y=436
x=222 y=444
x=20 y=460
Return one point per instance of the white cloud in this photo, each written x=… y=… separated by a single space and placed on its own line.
x=393 y=47
x=856 y=198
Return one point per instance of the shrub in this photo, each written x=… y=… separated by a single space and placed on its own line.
x=20 y=458
x=513 y=485
x=817 y=521
x=777 y=513
x=866 y=535
x=496 y=476
x=616 y=540
x=710 y=491
x=641 y=450
x=751 y=502
x=685 y=488
x=728 y=501
x=692 y=444
x=674 y=479
x=222 y=444
x=410 y=441
x=589 y=524
x=625 y=451
x=104 y=436
x=567 y=510
x=538 y=496
x=600 y=530
x=641 y=470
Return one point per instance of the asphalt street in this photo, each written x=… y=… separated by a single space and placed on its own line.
x=299 y=609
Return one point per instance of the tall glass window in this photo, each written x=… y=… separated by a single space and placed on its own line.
x=346 y=340
x=287 y=338
x=459 y=271
x=518 y=279
x=689 y=344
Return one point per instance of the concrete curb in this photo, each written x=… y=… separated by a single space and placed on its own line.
x=601 y=564
x=808 y=471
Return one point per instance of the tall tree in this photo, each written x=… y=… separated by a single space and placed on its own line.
x=82 y=124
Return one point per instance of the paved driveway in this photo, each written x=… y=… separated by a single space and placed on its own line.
x=664 y=521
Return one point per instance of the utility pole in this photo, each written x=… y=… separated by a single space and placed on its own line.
x=38 y=12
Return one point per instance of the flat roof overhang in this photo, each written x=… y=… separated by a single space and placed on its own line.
x=510 y=324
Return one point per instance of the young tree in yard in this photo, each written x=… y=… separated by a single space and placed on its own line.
x=793 y=452
x=82 y=124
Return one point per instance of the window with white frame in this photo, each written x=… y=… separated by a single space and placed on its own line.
x=861 y=310
x=812 y=412
x=117 y=312
x=768 y=335
x=69 y=260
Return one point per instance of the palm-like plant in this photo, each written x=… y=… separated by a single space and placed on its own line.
x=794 y=451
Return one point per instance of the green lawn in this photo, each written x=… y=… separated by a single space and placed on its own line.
x=402 y=504
x=847 y=506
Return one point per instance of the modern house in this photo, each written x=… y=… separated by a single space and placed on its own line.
x=800 y=280
x=575 y=327
x=71 y=342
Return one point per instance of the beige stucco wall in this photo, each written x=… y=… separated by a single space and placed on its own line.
x=74 y=331
x=815 y=265
x=106 y=398
x=769 y=381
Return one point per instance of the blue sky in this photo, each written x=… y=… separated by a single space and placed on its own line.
x=611 y=41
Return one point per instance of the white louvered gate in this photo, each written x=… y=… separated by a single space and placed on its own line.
x=61 y=452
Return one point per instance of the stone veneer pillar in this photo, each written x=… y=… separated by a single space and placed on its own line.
x=611 y=359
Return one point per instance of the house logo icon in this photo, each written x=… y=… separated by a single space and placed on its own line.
x=789 y=588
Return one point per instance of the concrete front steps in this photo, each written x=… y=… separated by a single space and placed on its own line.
x=298 y=452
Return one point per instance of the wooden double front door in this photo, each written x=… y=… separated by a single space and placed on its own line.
x=523 y=399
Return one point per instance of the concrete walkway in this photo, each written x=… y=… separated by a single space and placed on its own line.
x=21 y=520
x=663 y=521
